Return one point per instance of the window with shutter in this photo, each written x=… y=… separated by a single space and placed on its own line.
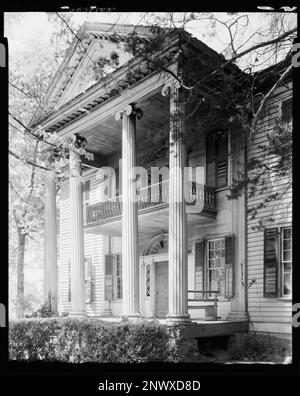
x=271 y=262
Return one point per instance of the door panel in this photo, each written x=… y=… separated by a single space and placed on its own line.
x=162 y=289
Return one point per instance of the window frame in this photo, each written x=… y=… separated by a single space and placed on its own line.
x=280 y=266
x=208 y=269
x=282 y=261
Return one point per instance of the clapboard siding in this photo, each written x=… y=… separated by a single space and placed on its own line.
x=267 y=314
x=93 y=248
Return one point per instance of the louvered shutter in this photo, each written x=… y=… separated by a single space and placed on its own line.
x=88 y=280
x=229 y=273
x=199 y=267
x=221 y=145
x=271 y=246
x=210 y=160
x=108 y=276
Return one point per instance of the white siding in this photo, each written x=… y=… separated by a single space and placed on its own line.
x=267 y=314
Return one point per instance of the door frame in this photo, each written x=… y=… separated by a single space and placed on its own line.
x=153 y=260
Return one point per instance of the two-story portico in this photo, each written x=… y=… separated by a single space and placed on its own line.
x=140 y=258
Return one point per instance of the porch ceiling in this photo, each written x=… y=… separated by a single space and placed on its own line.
x=105 y=137
x=149 y=223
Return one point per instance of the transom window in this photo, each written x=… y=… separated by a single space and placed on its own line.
x=216 y=265
x=286 y=259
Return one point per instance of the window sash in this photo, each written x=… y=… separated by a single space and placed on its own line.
x=285 y=263
x=213 y=246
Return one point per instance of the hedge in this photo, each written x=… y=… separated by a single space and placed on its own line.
x=92 y=340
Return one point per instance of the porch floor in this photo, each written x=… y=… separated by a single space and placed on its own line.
x=201 y=328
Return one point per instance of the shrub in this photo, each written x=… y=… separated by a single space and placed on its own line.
x=259 y=347
x=42 y=312
x=32 y=339
x=91 y=340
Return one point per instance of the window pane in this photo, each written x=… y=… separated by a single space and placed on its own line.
x=287 y=244
x=287 y=233
x=287 y=283
x=287 y=255
x=217 y=281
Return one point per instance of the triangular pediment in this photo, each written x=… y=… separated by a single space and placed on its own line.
x=77 y=71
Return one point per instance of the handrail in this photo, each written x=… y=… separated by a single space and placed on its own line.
x=213 y=300
x=147 y=199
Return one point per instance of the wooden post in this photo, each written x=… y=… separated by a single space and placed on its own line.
x=130 y=245
x=50 y=243
x=77 y=241
x=178 y=296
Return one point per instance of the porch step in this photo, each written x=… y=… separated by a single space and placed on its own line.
x=198 y=306
x=206 y=300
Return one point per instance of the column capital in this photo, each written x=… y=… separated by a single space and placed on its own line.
x=128 y=110
x=79 y=141
x=170 y=86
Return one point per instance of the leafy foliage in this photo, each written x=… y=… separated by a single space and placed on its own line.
x=256 y=347
x=42 y=312
x=90 y=340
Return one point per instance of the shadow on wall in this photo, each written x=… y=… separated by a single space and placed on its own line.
x=2 y=315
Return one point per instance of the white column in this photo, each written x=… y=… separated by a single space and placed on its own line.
x=50 y=243
x=178 y=309
x=130 y=243
x=77 y=241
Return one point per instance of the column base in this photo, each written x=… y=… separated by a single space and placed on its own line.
x=78 y=315
x=238 y=315
x=173 y=320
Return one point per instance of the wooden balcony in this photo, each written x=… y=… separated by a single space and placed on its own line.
x=200 y=199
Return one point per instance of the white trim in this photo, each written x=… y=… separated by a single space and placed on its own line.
x=136 y=92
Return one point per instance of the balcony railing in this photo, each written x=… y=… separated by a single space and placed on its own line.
x=199 y=198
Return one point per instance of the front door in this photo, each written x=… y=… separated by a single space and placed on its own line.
x=162 y=289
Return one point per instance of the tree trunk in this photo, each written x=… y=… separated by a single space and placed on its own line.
x=20 y=274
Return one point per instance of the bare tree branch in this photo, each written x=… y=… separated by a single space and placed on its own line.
x=27 y=161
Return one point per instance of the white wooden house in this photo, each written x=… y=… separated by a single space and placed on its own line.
x=141 y=259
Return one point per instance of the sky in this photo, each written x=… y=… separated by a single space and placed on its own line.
x=35 y=26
